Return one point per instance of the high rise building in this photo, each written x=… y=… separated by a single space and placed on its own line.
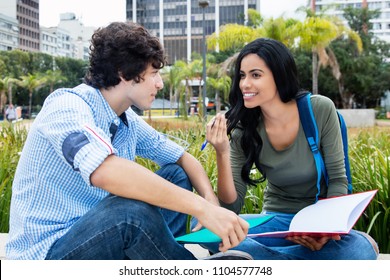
x=57 y=42
x=179 y=23
x=80 y=34
x=27 y=14
x=9 y=33
x=381 y=25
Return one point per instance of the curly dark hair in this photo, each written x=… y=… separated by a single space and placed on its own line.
x=282 y=65
x=122 y=50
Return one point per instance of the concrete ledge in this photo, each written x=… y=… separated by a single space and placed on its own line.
x=358 y=117
x=3 y=240
x=197 y=250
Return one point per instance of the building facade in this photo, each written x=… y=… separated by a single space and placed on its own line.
x=179 y=23
x=381 y=25
x=9 y=33
x=19 y=29
x=80 y=34
x=57 y=42
x=48 y=41
x=26 y=12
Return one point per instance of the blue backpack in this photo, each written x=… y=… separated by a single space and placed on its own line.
x=309 y=125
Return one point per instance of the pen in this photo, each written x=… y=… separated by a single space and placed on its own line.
x=204 y=145
x=205 y=141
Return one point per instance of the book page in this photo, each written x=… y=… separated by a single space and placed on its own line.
x=326 y=217
x=337 y=214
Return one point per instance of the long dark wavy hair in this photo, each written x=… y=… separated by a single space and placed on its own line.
x=282 y=65
x=122 y=50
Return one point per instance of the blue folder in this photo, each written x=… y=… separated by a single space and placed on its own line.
x=206 y=236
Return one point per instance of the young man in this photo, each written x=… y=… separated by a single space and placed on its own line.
x=78 y=194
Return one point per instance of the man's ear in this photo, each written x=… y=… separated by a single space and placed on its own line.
x=126 y=81
x=123 y=80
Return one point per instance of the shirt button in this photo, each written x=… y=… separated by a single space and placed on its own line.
x=116 y=121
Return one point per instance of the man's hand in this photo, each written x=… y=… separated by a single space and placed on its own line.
x=231 y=228
x=311 y=242
x=213 y=200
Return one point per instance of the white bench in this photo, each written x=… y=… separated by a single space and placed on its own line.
x=197 y=250
x=3 y=240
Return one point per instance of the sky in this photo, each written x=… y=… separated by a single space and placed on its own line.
x=277 y=8
x=99 y=13
x=95 y=13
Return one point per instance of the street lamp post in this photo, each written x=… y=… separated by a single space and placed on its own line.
x=204 y=5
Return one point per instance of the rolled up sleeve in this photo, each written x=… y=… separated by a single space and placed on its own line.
x=75 y=137
x=155 y=146
x=92 y=154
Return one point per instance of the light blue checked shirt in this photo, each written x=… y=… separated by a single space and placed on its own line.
x=71 y=136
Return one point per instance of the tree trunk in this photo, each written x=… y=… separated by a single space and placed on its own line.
x=30 y=103
x=344 y=98
x=2 y=95
x=10 y=93
x=315 y=72
x=183 y=102
x=217 y=102
x=170 y=100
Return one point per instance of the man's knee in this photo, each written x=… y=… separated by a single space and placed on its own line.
x=128 y=208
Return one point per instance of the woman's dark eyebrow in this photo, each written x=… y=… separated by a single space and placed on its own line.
x=253 y=70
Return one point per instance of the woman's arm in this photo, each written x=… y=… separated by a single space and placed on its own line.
x=198 y=177
x=331 y=145
x=217 y=137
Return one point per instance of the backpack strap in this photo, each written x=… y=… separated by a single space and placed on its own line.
x=344 y=135
x=309 y=125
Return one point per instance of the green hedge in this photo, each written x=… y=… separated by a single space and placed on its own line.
x=12 y=138
x=369 y=157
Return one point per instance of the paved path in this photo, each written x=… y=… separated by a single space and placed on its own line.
x=382 y=123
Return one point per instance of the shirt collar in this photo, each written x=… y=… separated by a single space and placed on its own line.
x=111 y=115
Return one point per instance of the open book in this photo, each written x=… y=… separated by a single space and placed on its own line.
x=329 y=216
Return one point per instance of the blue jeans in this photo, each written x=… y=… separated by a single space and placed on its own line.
x=119 y=228
x=353 y=246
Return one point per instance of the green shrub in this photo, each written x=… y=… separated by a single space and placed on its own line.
x=369 y=156
x=12 y=138
x=370 y=168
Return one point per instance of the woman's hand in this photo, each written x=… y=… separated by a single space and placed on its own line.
x=313 y=243
x=216 y=133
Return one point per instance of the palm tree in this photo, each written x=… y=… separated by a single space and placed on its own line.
x=231 y=37
x=196 y=73
x=171 y=75
x=221 y=84
x=279 y=29
x=316 y=34
x=179 y=73
x=31 y=82
x=8 y=84
x=53 y=77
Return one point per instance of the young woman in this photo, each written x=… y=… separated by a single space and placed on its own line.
x=263 y=130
